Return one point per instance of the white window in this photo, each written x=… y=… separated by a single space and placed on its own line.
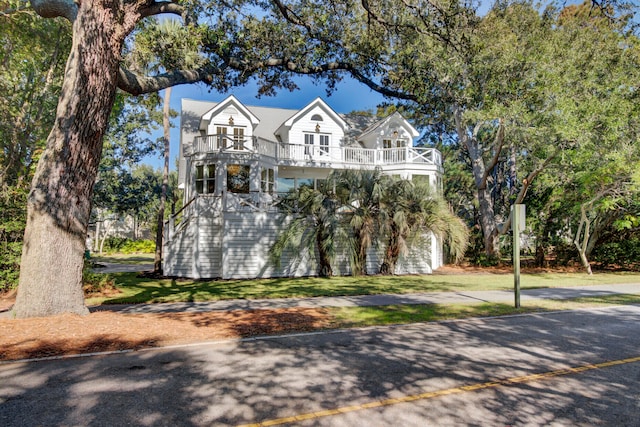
x=238 y=138
x=324 y=144
x=266 y=180
x=221 y=132
x=308 y=144
x=205 y=179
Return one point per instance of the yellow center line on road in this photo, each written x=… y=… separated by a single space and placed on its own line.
x=439 y=393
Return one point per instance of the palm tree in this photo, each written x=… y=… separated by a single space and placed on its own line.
x=314 y=227
x=361 y=192
x=411 y=209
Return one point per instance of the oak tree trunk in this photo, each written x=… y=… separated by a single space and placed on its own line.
x=487 y=222
x=59 y=203
x=480 y=172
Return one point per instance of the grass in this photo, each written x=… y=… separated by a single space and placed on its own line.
x=135 y=259
x=144 y=290
x=350 y=317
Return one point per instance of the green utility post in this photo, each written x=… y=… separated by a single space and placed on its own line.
x=518 y=219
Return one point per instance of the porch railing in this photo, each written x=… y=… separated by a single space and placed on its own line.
x=310 y=153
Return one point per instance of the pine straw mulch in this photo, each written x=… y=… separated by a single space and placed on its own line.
x=108 y=331
x=69 y=334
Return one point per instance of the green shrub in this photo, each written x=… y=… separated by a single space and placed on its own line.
x=138 y=247
x=10 y=253
x=127 y=246
x=484 y=260
x=93 y=283
x=114 y=244
x=565 y=253
x=623 y=253
x=12 y=222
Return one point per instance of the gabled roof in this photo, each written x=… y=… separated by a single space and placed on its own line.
x=270 y=121
x=220 y=107
x=395 y=118
x=318 y=102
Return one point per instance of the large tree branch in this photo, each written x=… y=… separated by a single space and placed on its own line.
x=136 y=84
x=526 y=183
x=25 y=7
x=54 y=8
x=290 y=15
x=498 y=144
x=383 y=90
x=294 y=67
x=157 y=8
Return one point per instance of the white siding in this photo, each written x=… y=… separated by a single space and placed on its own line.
x=248 y=238
x=236 y=245
x=418 y=260
x=304 y=125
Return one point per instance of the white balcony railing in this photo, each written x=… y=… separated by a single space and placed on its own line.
x=284 y=152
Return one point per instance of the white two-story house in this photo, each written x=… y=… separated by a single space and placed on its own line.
x=235 y=159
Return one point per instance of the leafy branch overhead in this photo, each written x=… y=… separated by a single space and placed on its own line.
x=520 y=95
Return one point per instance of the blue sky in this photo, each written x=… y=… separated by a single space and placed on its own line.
x=349 y=95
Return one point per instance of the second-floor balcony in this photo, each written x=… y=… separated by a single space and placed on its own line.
x=314 y=154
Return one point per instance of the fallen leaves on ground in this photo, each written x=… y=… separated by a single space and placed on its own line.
x=109 y=331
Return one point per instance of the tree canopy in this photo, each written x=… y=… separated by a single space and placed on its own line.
x=515 y=93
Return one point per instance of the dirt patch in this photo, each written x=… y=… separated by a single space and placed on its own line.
x=107 y=331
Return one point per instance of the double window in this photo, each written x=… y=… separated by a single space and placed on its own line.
x=309 y=141
x=226 y=140
x=205 y=179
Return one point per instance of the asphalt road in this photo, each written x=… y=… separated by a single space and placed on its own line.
x=350 y=378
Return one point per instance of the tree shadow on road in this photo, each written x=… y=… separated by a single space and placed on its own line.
x=238 y=382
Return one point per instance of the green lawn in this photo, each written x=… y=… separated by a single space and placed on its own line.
x=124 y=258
x=141 y=290
x=350 y=317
